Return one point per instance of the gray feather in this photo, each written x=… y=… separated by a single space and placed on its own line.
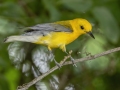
x=32 y=34
x=22 y=38
x=44 y=29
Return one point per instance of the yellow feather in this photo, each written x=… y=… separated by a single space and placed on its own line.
x=61 y=39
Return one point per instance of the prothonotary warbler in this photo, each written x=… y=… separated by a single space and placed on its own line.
x=56 y=34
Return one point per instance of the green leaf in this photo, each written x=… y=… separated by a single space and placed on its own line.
x=54 y=13
x=107 y=23
x=78 y=5
x=11 y=9
x=99 y=83
x=4 y=85
x=6 y=27
x=95 y=46
x=12 y=76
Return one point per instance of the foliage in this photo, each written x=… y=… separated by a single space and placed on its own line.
x=100 y=74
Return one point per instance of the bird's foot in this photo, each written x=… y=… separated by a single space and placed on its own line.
x=59 y=66
x=73 y=61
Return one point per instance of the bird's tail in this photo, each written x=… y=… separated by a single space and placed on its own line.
x=31 y=39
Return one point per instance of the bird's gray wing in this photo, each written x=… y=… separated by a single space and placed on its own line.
x=44 y=29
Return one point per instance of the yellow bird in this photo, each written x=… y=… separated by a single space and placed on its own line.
x=55 y=35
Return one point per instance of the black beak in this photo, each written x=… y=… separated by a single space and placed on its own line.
x=90 y=33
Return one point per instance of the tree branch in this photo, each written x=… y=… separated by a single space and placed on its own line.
x=62 y=63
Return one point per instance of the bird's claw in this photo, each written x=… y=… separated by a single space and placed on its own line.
x=59 y=66
x=73 y=61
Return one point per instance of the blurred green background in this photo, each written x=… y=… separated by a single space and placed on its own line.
x=100 y=74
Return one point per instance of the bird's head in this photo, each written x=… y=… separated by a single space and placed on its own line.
x=84 y=26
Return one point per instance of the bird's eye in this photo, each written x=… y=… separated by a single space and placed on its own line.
x=82 y=27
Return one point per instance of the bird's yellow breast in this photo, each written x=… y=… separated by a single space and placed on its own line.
x=56 y=39
x=62 y=38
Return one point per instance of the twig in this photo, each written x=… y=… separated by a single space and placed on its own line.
x=26 y=86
